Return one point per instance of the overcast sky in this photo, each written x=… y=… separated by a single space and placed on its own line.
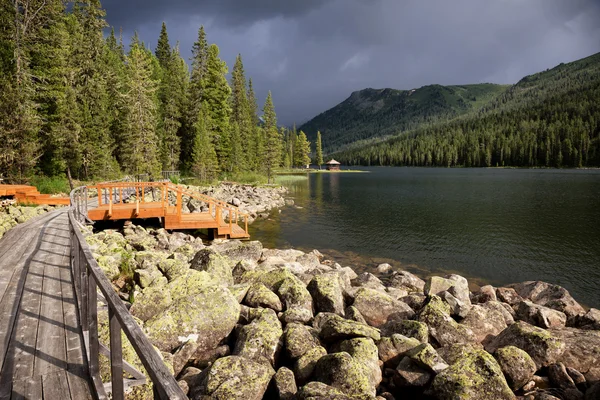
x=313 y=53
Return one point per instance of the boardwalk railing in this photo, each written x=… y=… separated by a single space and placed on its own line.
x=88 y=278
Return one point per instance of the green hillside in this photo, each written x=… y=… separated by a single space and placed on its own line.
x=375 y=113
x=549 y=119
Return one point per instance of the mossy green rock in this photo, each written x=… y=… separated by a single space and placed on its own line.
x=285 y=384
x=149 y=277
x=327 y=293
x=238 y=251
x=391 y=349
x=235 y=377
x=343 y=372
x=517 y=366
x=321 y=391
x=365 y=352
x=476 y=376
x=109 y=265
x=260 y=296
x=378 y=307
x=436 y=315
x=299 y=339
x=262 y=339
x=218 y=266
x=408 y=328
x=305 y=365
x=150 y=302
x=173 y=268
x=336 y=328
x=149 y=259
x=543 y=347
x=208 y=314
x=425 y=356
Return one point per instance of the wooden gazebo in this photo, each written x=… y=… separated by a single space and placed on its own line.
x=332 y=165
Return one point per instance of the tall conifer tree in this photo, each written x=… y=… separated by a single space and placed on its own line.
x=319 y=150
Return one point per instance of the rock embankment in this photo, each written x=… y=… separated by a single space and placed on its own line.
x=237 y=321
x=12 y=215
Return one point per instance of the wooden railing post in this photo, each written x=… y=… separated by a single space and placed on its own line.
x=99 y=195
x=246 y=223
x=94 y=347
x=116 y=357
x=179 y=203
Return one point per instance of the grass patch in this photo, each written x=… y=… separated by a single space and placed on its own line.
x=284 y=179
x=51 y=185
x=253 y=178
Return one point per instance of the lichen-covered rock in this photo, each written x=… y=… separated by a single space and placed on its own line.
x=377 y=307
x=284 y=384
x=552 y=296
x=343 y=372
x=426 y=357
x=393 y=348
x=541 y=316
x=327 y=293
x=406 y=279
x=173 y=268
x=299 y=339
x=590 y=320
x=239 y=291
x=368 y=280
x=484 y=322
x=581 y=348
x=458 y=308
x=217 y=265
x=559 y=377
x=150 y=302
x=234 y=377
x=445 y=330
x=110 y=265
x=320 y=391
x=337 y=328
x=409 y=375
x=517 y=366
x=454 y=352
x=259 y=295
x=353 y=314
x=237 y=251
x=486 y=293
x=508 y=296
x=305 y=365
x=210 y=313
x=149 y=277
x=365 y=352
x=408 y=328
x=476 y=376
x=543 y=346
x=262 y=339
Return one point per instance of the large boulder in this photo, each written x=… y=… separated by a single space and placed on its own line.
x=365 y=352
x=444 y=329
x=336 y=328
x=541 y=316
x=485 y=323
x=262 y=339
x=393 y=348
x=508 y=296
x=320 y=391
x=408 y=328
x=305 y=365
x=590 y=320
x=237 y=251
x=543 y=346
x=368 y=280
x=457 y=285
x=552 y=296
x=259 y=295
x=409 y=374
x=426 y=357
x=327 y=293
x=404 y=279
x=475 y=376
x=581 y=348
x=377 y=307
x=217 y=265
x=284 y=384
x=299 y=339
x=150 y=302
x=234 y=377
x=517 y=366
x=345 y=373
x=207 y=313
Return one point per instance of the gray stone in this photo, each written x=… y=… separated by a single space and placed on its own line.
x=285 y=384
x=484 y=322
x=408 y=280
x=408 y=374
x=408 y=328
x=508 y=295
x=327 y=293
x=259 y=295
x=343 y=372
x=552 y=296
x=393 y=348
x=445 y=330
x=541 y=316
x=337 y=328
x=517 y=366
x=299 y=339
x=262 y=339
x=377 y=307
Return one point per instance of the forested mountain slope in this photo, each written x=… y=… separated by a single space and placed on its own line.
x=380 y=112
x=549 y=119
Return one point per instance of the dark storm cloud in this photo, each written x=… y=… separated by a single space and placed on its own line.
x=313 y=54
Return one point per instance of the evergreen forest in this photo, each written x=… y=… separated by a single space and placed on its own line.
x=549 y=119
x=76 y=100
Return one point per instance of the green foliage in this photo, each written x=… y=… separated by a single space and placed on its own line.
x=549 y=119
x=319 y=150
x=248 y=177
x=302 y=151
x=376 y=113
x=50 y=184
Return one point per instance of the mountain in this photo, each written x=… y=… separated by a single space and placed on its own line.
x=373 y=113
x=549 y=119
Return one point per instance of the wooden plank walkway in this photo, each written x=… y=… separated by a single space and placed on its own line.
x=41 y=343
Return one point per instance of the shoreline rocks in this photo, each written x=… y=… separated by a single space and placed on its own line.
x=239 y=321
x=12 y=215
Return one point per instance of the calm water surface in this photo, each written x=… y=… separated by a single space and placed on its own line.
x=491 y=225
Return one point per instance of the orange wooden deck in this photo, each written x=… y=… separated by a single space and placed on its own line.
x=124 y=201
x=29 y=195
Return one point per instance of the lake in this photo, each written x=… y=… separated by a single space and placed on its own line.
x=494 y=226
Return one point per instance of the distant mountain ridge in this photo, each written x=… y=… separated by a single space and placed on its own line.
x=376 y=113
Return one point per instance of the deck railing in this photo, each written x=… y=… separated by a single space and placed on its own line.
x=88 y=278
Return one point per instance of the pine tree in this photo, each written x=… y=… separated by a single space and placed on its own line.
x=216 y=92
x=272 y=146
x=204 y=158
x=302 y=155
x=163 y=48
x=255 y=141
x=140 y=148
x=240 y=113
x=319 y=151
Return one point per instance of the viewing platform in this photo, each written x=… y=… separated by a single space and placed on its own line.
x=25 y=194
x=165 y=200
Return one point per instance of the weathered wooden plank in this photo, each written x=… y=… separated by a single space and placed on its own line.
x=27 y=389
x=56 y=386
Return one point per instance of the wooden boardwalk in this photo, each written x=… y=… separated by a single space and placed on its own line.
x=42 y=352
x=164 y=200
x=30 y=195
